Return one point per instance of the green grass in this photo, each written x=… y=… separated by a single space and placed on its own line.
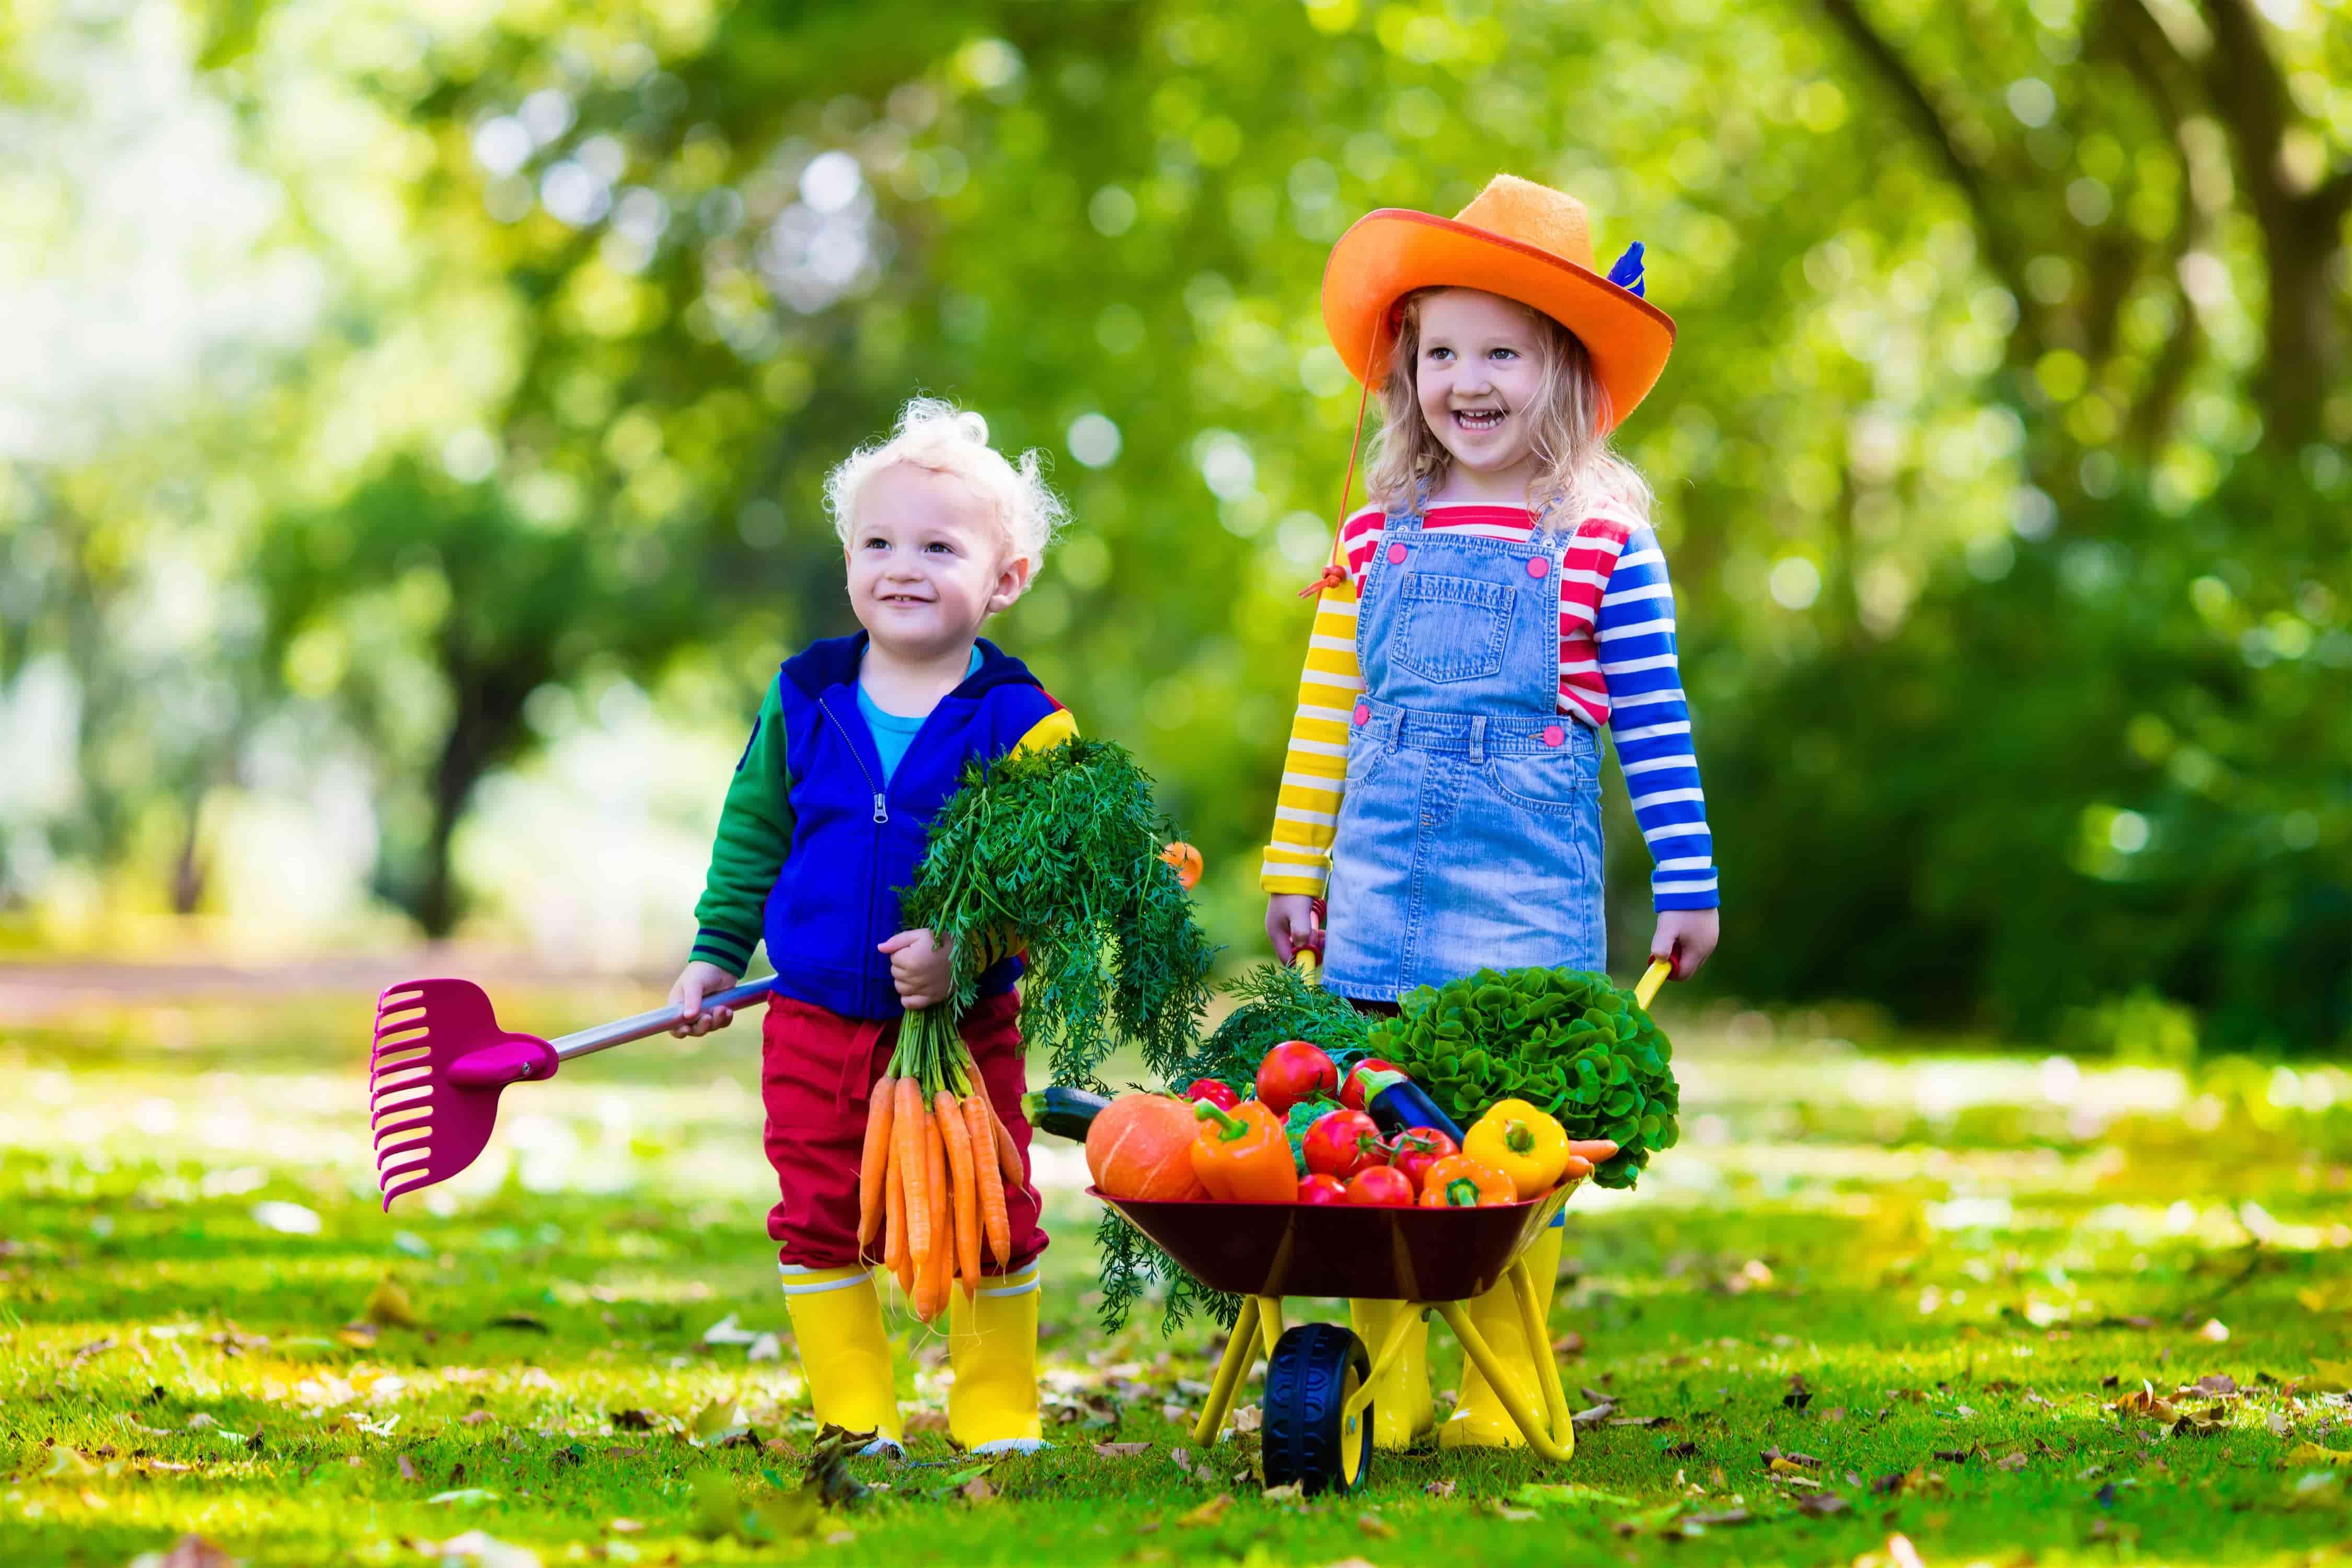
x=1973 y=1257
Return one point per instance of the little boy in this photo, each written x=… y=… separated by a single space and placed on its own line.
x=860 y=741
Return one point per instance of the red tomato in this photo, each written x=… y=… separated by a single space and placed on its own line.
x=1416 y=1148
x=1351 y=1092
x=1292 y=1071
x=1215 y=1092
x=1341 y=1142
x=1321 y=1189
x=1381 y=1186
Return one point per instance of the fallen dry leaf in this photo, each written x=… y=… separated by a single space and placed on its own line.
x=622 y=1420
x=1592 y=1417
x=388 y=1307
x=1249 y=1418
x=1775 y=1460
x=188 y=1551
x=2214 y=1385
x=2313 y=1454
x=1376 y=1527
x=2011 y=1461
x=2214 y=1333
x=1822 y=1505
x=1181 y=1458
x=927 y=1421
x=2144 y=1401
x=1209 y=1512
x=1568 y=1344
x=1121 y=1450
x=977 y=1490
x=408 y=1469
x=1439 y=1488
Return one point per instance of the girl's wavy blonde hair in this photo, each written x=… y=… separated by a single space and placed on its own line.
x=933 y=434
x=1568 y=422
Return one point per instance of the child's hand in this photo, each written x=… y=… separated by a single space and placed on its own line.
x=695 y=981
x=1685 y=938
x=921 y=968
x=1290 y=925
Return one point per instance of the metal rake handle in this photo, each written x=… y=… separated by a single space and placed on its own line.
x=621 y=1031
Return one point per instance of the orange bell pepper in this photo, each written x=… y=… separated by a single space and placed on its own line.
x=1459 y=1182
x=1243 y=1155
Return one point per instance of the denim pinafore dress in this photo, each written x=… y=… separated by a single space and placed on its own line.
x=1469 y=833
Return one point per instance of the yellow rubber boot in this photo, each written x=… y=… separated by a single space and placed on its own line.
x=1401 y=1410
x=1479 y=1420
x=844 y=1355
x=993 y=1346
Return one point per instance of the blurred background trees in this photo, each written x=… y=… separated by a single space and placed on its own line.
x=413 y=430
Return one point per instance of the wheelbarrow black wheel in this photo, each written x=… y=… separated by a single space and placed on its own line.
x=1309 y=1436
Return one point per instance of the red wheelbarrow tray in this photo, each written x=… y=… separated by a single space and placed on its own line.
x=1440 y=1257
x=1342 y=1249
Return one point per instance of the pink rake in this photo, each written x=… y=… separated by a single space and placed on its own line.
x=440 y=1060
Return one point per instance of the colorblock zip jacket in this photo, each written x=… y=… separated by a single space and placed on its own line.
x=814 y=843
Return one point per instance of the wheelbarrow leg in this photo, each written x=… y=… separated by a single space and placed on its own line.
x=1392 y=1350
x=1539 y=1352
x=1530 y=1423
x=1240 y=1349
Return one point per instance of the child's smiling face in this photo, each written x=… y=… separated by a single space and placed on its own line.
x=929 y=562
x=1479 y=371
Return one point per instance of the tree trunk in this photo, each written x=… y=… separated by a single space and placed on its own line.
x=488 y=727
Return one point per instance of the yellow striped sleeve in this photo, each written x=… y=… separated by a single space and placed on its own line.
x=1314 y=770
x=1048 y=733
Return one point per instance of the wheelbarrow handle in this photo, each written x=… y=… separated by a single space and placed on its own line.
x=621 y=1031
x=1645 y=990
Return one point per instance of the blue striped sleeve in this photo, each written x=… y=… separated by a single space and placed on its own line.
x=1649 y=720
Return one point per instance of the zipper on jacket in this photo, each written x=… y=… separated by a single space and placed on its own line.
x=881 y=807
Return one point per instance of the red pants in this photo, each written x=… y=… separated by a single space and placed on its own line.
x=816 y=1073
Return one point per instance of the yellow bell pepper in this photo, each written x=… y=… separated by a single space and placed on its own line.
x=1522 y=1142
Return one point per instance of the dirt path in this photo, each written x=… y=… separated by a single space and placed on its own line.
x=30 y=992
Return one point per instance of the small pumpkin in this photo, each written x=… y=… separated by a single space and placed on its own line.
x=1140 y=1146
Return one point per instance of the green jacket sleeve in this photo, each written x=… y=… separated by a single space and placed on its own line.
x=755 y=834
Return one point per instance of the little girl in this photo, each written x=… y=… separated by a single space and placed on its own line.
x=1503 y=600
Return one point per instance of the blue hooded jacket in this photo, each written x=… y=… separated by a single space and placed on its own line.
x=857 y=839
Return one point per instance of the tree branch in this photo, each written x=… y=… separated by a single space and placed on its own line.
x=1928 y=121
x=2243 y=80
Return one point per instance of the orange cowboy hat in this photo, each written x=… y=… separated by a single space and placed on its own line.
x=1517 y=238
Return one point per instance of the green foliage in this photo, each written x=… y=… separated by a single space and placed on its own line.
x=1058 y=852
x=2140 y=786
x=1277 y=1004
x=1567 y=1041
x=1132 y=1267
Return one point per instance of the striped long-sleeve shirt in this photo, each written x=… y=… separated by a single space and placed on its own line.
x=1618 y=668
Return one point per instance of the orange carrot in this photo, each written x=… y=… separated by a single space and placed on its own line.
x=931 y=1279
x=895 y=1255
x=907 y=1122
x=874 y=1165
x=995 y=1220
x=963 y=1185
x=1008 y=1158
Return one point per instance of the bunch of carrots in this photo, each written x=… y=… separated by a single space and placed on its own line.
x=932 y=1180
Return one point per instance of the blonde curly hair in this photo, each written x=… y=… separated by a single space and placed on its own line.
x=934 y=434
x=1569 y=420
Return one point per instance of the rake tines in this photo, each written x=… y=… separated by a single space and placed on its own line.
x=431 y=1115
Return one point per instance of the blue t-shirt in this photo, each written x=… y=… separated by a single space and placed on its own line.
x=894 y=733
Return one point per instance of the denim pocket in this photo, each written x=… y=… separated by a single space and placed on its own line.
x=1365 y=754
x=1561 y=778
x=1452 y=628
